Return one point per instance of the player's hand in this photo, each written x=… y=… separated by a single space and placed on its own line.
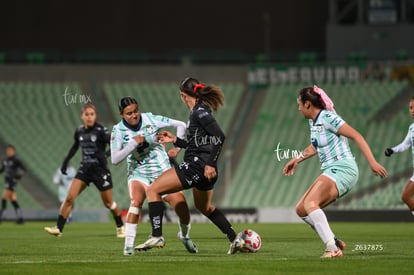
x=139 y=139
x=290 y=167
x=388 y=152
x=165 y=137
x=210 y=172
x=173 y=153
x=379 y=170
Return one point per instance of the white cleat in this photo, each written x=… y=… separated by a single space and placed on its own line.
x=152 y=242
x=120 y=232
x=188 y=243
x=128 y=251
x=236 y=245
x=54 y=231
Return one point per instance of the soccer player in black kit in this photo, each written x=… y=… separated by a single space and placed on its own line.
x=93 y=138
x=13 y=169
x=199 y=169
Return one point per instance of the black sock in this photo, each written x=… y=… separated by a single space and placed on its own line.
x=218 y=218
x=156 y=210
x=61 y=222
x=18 y=210
x=118 y=221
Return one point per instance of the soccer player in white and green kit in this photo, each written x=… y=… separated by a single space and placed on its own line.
x=329 y=140
x=407 y=143
x=135 y=138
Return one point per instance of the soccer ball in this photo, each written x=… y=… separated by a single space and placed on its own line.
x=252 y=241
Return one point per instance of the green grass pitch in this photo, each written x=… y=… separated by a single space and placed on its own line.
x=92 y=248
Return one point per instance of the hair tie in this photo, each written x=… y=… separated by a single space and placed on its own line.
x=325 y=98
x=197 y=86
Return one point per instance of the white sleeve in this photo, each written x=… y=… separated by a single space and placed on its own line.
x=403 y=146
x=180 y=126
x=56 y=177
x=118 y=153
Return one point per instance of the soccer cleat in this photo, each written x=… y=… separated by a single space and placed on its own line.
x=332 y=254
x=340 y=243
x=236 y=245
x=128 y=251
x=188 y=243
x=120 y=232
x=54 y=231
x=152 y=242
x=19 y=221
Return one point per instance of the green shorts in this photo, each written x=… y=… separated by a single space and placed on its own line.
x=344 y=173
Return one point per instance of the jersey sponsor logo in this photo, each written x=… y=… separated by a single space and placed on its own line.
x=206 y=139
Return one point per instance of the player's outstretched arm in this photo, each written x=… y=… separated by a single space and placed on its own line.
x=349 y=132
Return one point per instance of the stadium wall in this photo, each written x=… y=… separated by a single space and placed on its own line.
x=249 y=215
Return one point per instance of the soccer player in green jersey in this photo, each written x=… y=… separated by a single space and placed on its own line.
x=135 y=138
x=408 y=192
x=329 y=140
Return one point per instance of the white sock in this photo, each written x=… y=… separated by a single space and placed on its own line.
x=309 y=221
x=130 y=233
x=322 y=228
x=184 y=229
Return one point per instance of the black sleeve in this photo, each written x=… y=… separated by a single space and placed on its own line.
x=72 y=150
x=181 y=143
x=214 y=130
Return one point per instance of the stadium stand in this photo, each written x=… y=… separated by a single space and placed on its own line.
x=40 y=120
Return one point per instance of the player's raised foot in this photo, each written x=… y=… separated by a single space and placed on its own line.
x=332 y=254
x=120 y=232
x=152 y=242
x=53 y=231
x=129 y=251
x=236 y=245
x=340 y=243
x=188 y=243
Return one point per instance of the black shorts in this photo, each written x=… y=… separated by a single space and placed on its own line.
x=192 y=175
x=10 y=184
x=100 y=176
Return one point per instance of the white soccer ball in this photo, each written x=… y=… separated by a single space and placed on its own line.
x=252 y=241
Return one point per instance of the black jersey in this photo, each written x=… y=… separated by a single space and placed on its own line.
x=12 y=167
x=204 y=137
x=93 y=143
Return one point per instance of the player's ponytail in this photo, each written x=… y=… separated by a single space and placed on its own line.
x=308 y=94
x=210 y=95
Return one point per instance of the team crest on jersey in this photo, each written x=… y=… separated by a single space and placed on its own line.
x=93 y=138
x=149 y=129
x=318 y=128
